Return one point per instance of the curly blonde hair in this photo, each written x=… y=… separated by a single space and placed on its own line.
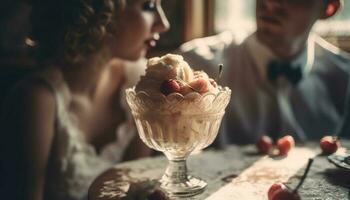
x=74 y=29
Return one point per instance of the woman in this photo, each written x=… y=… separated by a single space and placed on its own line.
x=59 y=121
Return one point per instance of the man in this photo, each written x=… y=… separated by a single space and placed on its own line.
x=284 y=79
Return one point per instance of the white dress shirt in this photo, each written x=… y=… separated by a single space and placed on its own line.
x=308 y=110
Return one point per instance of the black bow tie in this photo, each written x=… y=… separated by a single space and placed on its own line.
x=277 y=68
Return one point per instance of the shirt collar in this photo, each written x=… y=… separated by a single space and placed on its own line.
x=262 y=55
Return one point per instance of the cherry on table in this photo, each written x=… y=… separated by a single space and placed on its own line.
x=157 y=195
x=285 y=194
x=274 y=188
x=169 y=86
x=329 y=144
x=285 y=144
x=280 y=191
x=264 y=144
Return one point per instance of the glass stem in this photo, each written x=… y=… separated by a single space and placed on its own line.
x=176 y=172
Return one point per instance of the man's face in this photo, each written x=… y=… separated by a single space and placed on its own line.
x=286 y=21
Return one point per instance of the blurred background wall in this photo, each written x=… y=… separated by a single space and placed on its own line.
x=198 y=18
x=189 y=19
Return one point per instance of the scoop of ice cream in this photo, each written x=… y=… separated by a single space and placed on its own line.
x=160 y=69
x=170 y=66
x=172 y=69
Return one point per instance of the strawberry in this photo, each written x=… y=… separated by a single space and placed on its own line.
x=170 y=86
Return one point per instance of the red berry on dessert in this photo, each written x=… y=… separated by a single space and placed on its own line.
x=329 y=144
x=285 y=144
x=170 y=86
x=200 y=85
x=264 y=144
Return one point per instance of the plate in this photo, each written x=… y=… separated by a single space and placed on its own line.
x=340 y=160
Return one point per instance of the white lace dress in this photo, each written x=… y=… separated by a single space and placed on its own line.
x=74 y=163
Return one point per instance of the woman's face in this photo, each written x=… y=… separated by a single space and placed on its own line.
x=137 y=27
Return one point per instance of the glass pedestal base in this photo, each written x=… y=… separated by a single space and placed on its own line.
x=191 y=187
x=177 y=183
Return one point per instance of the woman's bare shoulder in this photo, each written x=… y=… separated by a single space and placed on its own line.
x=31 y=94
x=29 y=112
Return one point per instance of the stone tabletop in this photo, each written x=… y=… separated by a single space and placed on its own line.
x=236 y=172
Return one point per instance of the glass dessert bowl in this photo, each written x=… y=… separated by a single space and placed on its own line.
x=178 y=125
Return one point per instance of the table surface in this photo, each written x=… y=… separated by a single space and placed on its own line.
x=236 y=172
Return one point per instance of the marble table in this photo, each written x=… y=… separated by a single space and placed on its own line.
x=236 y=172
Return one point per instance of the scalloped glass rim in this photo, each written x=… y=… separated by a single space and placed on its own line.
x=176 y=95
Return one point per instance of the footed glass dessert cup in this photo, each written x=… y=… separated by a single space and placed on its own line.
x=178 y=125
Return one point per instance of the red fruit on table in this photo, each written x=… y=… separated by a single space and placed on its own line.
x=285 y=194
x=279 y=191
x=329 y=144
x=264 y=144
x=274 y=188
x=157 y=195
x=170 y=86
x=285 y=144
